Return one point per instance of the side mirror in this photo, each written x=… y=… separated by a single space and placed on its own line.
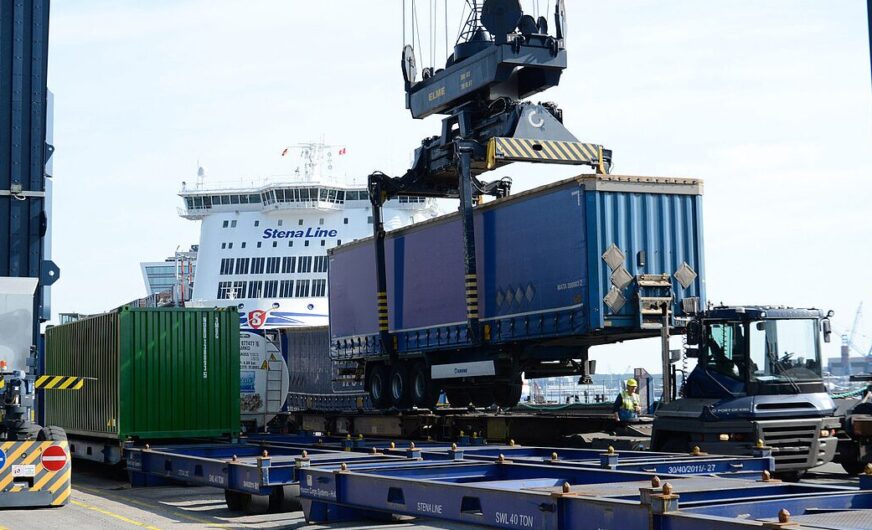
x=827 y=329
x=691 y=353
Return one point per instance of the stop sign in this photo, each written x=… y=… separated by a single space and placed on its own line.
x=54 y=458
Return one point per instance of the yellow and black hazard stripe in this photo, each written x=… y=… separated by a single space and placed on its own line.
x=471 y=296
x=551 y=151
x=51 y=487
x=382 y=311
x=59 y=382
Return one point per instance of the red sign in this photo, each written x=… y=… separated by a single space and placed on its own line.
x=54 y=458
x=257 y=318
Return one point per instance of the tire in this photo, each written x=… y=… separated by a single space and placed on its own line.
x=377 y=385
x=507 y=395
x=853 y=467
x=52 y=434
x=458 y=397
x=425 y=392
x=255 y=504
x=789 y=476
x=285 y=499
x=674 y=444
x=482 y=397
x=233 y=500
x=400 y=386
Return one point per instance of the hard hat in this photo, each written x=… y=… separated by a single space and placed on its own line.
x=632 y=382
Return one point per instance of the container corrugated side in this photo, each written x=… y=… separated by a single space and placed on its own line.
x=315 y=381
x=87 y=348
x=176 y=373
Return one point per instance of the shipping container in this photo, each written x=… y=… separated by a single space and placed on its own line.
x=588 y=260
x=316 y=382
x=150 y=374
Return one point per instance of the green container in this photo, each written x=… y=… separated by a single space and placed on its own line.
x=160 y=373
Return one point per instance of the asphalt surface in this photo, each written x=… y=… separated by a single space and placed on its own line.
x=102 y=499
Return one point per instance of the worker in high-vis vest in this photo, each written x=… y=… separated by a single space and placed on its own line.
x=627 y=406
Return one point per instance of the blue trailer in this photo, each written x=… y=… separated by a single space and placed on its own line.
x=589 y=260
x=264 y=472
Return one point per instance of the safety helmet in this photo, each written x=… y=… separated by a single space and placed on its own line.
x=632 y=382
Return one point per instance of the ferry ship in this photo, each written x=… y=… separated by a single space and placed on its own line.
x=263 y=245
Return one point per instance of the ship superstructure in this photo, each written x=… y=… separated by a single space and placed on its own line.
x=263 y=246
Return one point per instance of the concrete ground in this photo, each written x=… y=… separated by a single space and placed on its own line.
x=100 y=500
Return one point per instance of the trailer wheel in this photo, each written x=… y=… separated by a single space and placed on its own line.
x=378 y=386
x=674 y=444
x=255 y=504
x=400 y=385
x=285 y=499
x=458 y=397
x=508 y=395
x=425 y=392
x=482 y=397
x=233 y=500
x=51 y=434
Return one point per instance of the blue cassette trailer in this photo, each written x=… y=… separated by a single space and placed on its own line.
x=589 y=260
x=264 y=472
x=509 y=494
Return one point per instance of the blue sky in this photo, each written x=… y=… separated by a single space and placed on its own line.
x=769 y=103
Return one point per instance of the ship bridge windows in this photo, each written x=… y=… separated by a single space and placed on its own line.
x=356 y=195
x=234 y=199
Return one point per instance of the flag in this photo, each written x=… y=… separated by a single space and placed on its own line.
x=284 y=151
x=342 y=151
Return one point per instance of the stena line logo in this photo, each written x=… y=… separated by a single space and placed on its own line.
x=272 y=233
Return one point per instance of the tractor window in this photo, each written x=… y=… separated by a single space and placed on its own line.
x=785 y=350
x=724 y=347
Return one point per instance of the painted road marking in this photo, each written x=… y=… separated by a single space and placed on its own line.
x=172 y=510
x=111 y=514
